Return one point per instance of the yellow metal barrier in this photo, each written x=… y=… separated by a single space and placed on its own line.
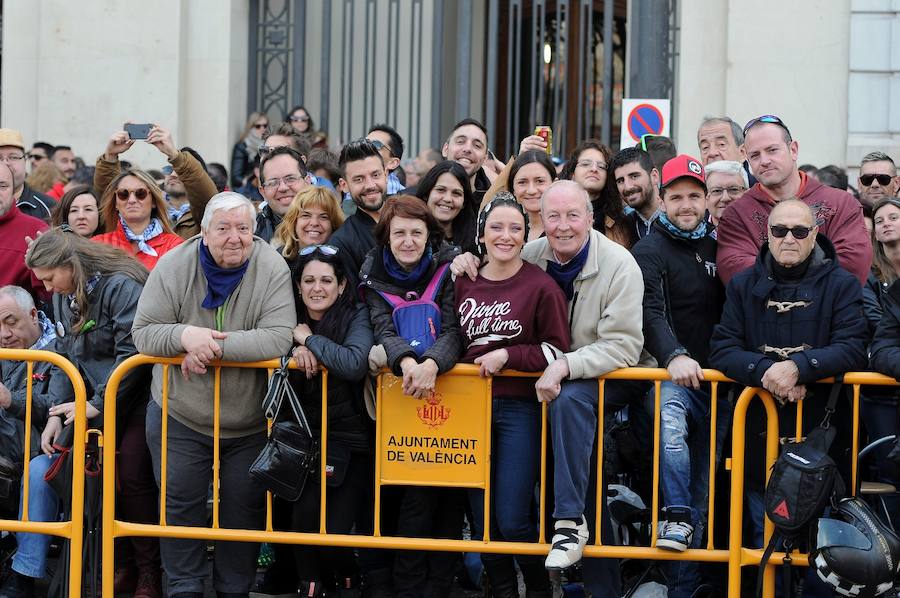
x=739 y=556
x=461 y=385
x=72 y=530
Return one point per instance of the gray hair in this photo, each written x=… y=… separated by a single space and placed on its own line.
x=728 y=167
x=736 y=131
x=22 y=297
x=878 y=157
x=567 y=185
x=227 y=200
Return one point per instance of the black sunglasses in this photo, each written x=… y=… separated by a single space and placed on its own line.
x=800 y=232
x=883 y=179
x=766 y=118
x=378 y=145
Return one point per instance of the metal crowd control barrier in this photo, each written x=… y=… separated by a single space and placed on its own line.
x=439 y=438
x=740 y=556
x=73 y=529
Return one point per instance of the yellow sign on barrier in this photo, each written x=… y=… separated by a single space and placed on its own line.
x=441 y=440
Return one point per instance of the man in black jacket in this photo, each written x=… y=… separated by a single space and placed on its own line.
x=282 y=174
x=29 y=201
x=365 y=179
x=682 y=302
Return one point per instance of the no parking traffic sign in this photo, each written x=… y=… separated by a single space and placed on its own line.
x=642 y=117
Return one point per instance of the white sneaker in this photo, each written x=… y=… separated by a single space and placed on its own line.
x=568 y=542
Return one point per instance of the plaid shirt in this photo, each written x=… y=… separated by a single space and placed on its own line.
x=48 y=332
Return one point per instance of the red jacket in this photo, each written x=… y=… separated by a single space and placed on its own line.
x=161 y=243
x=14 y=227
x=743 y=228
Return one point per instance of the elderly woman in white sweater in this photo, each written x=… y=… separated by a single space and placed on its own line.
x=221 y=295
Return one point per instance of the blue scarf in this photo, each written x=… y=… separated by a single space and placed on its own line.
x=48 y=332
x=154 y=229
x=697 y=233
x=220 y=282
x=176 y=213
x=401 y=276
x=565 y=275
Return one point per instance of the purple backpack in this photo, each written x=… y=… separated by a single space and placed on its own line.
x=418 y=319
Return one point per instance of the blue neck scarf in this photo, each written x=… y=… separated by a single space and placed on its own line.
x=154 y=229
x=565 y=275
x=697 y=233
x=401 y=276
x=221 y=282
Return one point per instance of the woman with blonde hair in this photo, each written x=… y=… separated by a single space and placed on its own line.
x=313 y=217
x=45 y=177
x=135 y=216
x=247 y=148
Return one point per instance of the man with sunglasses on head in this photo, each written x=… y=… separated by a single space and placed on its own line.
x=877 y=178
x=791 y=319
x=282 y=175
x=29 y=201
x=772 y=154
x=390 y=145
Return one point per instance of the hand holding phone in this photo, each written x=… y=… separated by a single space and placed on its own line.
x=138 y=131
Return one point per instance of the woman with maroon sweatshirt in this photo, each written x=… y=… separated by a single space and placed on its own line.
x=512 y=316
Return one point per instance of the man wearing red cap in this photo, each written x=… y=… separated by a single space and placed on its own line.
x=772 y=155
x=683 y=300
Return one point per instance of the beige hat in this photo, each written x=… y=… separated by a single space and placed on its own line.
x=11 y=137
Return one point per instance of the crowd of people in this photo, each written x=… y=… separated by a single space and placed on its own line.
x=739 y=260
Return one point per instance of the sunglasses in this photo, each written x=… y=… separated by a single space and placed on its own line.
x=325 y=249
x=379 y=146
x=766 y=118
x=299 y=119
x=262 y=126
x=800 y=232
x=36 y=157
x=139 y=194
x=883 y=179
x=644 y=139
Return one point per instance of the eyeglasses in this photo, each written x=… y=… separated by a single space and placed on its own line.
x=731 y=191
x=883 y=179
x=799 y=232
x=589 y=163
x=299 y=119
x=262 y=126
x=379 y=146
x=139 y=194
x=325 y=249
x=766 y=118
x=287 y=180
x=12 y=158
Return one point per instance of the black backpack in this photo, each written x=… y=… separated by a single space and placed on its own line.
x=803 y=483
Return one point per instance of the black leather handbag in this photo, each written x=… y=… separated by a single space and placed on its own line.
x=291 y=453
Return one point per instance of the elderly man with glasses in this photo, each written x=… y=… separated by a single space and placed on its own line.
x=790 y=320
x=772 y=154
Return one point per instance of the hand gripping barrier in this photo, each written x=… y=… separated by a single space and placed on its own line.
x=453 y=453
x=73 y=529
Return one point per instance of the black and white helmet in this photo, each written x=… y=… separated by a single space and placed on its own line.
x=855 y=553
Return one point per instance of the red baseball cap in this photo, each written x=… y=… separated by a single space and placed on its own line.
x=683 y=166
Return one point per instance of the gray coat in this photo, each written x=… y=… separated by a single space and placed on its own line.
x=12 y=420
x=97 y=350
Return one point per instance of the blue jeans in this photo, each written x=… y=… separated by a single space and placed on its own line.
x=43 y=505
x=516 y=448
x=684 y=463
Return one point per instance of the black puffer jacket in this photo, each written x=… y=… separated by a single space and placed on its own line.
x=347 y=364
x=447 y=347
x=886 y=344
x=354 y=239
x=97 y=349
x=682 y=295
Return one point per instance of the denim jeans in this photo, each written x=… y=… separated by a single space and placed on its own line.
x=516 y=448
x=684 y=463
x=43 y=505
